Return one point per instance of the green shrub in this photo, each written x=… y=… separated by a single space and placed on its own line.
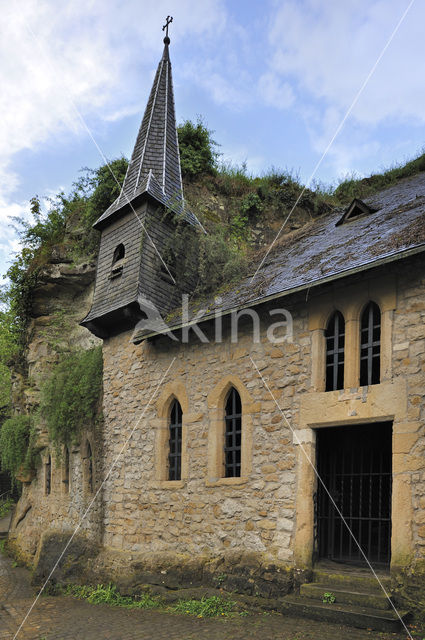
x=328 y=598
x=206 y=261
x=219 y=262
x=6 y=507
x=70 y=397
x=103 y=186
x=15 y=443
x=197 y=149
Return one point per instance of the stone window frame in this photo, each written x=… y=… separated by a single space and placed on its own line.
x=351 y=302
x=85 y=466
x=216 y=405
x=174 y=390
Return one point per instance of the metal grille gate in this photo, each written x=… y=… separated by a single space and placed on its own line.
x=355 y=465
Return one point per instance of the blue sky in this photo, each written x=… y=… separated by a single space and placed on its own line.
x=273 y=79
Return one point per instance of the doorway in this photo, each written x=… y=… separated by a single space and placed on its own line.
x=355 y=464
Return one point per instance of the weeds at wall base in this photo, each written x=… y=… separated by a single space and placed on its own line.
x=204 y=607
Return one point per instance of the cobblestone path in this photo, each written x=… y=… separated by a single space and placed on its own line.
x=64 y=618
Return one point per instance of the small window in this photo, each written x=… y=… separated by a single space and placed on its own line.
x=175 y=442
x=233 y=435
x=65 y=478
x=48 y=476
x=89 y=468
x=370 y=345
x=118 y=261
x=335 y=343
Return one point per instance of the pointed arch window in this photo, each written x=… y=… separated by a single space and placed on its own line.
x=335 y=345
x=233 y=435
x=370 y=345
x=175 y=441
x=48 y=476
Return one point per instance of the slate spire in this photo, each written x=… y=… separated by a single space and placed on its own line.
x=155 y=162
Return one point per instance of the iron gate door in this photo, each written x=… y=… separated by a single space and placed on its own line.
x=356 y=467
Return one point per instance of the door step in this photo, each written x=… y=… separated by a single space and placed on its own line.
x=354 y=598
x=370 y=599
x=354 y=580
x=347 y=614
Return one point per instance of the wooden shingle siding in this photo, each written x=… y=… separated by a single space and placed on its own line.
x=152 y=186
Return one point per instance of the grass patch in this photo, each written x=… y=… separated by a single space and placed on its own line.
x=363 y=187
x=109 y=594
x=206 y=607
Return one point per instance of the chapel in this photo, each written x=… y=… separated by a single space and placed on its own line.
x=271 y=441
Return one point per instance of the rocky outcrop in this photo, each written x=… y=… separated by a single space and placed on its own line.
x=60 y=299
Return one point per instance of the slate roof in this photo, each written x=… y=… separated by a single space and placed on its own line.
x=322 y=251
x=154 y=168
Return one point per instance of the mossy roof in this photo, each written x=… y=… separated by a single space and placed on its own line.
x=322 y=251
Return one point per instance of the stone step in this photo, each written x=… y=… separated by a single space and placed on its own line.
x=346 y=614
x=352 y=580
x=347 y=595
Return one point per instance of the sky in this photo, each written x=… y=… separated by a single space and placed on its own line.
x=274 y=80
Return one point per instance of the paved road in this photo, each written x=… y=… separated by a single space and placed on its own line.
x=64 y=618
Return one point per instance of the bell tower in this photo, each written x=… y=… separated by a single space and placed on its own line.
x=135 y=229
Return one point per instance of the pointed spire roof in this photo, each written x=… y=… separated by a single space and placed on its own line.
x=154 y=167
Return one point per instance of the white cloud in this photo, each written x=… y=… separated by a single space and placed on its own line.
x=90 y=56
x=275 y=92
x=330 y=48
x=326 y=50
x=80 y=53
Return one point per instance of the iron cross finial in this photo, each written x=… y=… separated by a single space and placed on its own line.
x=168 y=21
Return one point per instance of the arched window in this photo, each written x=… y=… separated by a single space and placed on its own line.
x=48 y=476
x=175 y=442
x=370 y=345
x=118 y=261
x=119 y=253
x=65 y=477
x=89 y=468
x=335 y=339
x=233 y=435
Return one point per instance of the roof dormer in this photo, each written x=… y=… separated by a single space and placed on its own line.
x=357 y=209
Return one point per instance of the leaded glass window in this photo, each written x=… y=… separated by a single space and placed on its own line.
x=335 y=344
x=233 y=435
x=175 y=442
x=370 y=345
